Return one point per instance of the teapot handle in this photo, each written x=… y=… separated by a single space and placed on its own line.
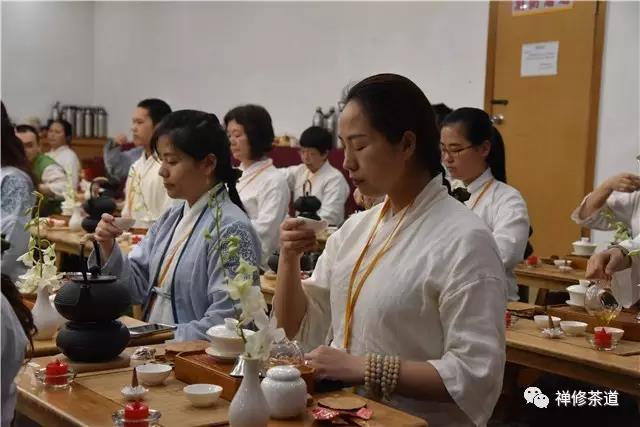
x=84 y=260
x=304 y=187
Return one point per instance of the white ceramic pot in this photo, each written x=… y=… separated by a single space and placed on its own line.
x=75 y=222
x=249 y=407
x=285 y=391
x=45 y=316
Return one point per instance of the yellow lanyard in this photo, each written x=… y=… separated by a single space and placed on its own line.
x=167 y=264
x=139 y=184
x=254 y=176
x=484 y=190
x=352 y=300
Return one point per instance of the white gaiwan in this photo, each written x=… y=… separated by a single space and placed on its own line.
x=285 y=392
x=225 y=339
x=584 y=247
x=576 y=295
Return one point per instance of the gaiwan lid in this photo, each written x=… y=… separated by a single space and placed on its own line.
x=584 y=241
x=283 y=373
x=228 y=330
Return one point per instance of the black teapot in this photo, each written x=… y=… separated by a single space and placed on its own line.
x=93 y=341
x=308 y=261
x=92 y=303
x=307 y=205
x=101 y=201
x=92 y=297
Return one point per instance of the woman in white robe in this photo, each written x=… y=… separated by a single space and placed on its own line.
x=317 y=176
x=145 y=197
x=59 y=138
x=431 y=279
x=262 y=188
x=473 y=152
x=618 y=196
x=176 y=271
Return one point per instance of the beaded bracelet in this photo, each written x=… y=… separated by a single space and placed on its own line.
x=381 y=375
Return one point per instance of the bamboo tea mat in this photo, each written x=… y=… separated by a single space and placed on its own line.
x=169 y=399
x=624 y=348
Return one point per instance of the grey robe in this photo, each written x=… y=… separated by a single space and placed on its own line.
x=199 y=296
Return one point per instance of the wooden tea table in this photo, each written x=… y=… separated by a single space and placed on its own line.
x=94 y=396
x=546 y=276
x=571 y=357
x=48 y=347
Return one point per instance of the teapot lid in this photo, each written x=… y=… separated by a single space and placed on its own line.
x=283 y=373
x=584 y=241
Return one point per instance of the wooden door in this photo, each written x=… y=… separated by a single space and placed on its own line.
x=549 y=121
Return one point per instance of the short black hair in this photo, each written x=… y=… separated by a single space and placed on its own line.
x=66 y=126
x=441 y=110
x=157 y=109
x=256 y=122
x=28 y=128
x=318 y=138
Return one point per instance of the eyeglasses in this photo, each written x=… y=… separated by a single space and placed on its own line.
x=453 y=153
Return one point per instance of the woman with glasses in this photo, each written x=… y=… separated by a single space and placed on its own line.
x=473 y=152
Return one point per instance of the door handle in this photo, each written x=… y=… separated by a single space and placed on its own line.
x=499 y=101
x=497 y=119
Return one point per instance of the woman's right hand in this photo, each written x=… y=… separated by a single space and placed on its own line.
x=603 y=265
x=295 y=240
x=624 y=182
x=120 y=139
x=106 y=233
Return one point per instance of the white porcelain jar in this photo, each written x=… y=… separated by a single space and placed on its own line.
x=285 y=391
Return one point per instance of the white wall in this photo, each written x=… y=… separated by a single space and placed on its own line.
x=290 y=57
x=619 y=119
x=47 y=56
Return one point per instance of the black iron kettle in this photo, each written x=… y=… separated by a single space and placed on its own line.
x=92 y=297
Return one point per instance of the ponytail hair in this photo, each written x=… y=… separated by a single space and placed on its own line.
x=199 y=134
x=395 y=105
x=496 y=157
x=476 y=126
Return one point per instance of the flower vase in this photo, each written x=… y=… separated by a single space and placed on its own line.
x=75 y=222
x=45 y=316
x=249 y=407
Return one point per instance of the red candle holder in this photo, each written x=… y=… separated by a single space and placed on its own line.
x=56 y=373
x=532 y=261
x=602 y=339
x=136 y=414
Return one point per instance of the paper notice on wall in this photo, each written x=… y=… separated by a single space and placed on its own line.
x=539 y=59
x=527 y=7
